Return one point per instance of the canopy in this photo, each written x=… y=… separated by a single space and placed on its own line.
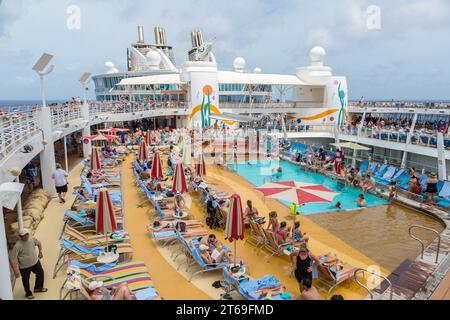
x=350 y=145
x=105 y=218
x=95 y=159
x=297 y=192
x=179 y=179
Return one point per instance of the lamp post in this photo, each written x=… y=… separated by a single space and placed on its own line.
x=47 y=156
x=84 y=80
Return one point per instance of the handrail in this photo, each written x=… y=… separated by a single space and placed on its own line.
x=421 y=241
x=360 y=270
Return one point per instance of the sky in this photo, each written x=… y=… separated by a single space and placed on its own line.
x=402 y=55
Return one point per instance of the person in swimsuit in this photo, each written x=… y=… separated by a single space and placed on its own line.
x=297 y=236
x=250 y=212
x=301 y=263
x=432 y=188
x=206 y=255
x=98 y=292
x=282 y=234
x=273 y=222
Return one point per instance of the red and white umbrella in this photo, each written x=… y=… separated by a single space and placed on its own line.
x=113 y=130
x=234 y=229
x=102 y=137
x=200 y=166
x=156 y=172
x=148 y=138
x=297 y=192
x=95 y=159
x=142 y=152
x=105 y=218
x=179 y=179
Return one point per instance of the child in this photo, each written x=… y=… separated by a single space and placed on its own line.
x=297 y=235
x=393 y=190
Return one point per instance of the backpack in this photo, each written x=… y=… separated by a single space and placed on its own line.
x=181 y=226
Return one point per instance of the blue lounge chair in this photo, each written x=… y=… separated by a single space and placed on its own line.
x=388 y=175
x=443 y=198
x=381 y=171
x=363 y=167
x=399 y=174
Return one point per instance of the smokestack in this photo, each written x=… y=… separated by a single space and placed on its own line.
x=160 y=36
x=141 y=34
x=197 y=38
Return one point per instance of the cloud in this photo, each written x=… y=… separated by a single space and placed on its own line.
x=276 y=36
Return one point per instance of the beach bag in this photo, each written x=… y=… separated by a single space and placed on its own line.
x=181 y=227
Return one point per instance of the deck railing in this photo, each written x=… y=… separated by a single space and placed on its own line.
x=16 y=128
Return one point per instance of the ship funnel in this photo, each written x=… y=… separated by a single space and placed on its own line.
x=141 y=34
x=160 y=36
x=197 y=39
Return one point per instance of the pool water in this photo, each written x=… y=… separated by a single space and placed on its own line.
x=260 y=172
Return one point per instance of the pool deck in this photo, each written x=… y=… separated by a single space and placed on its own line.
x=173 y=284
x=423 y=278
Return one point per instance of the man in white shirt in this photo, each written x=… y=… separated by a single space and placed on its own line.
x=60 y=177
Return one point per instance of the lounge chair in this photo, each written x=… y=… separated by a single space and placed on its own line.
x=256 y=236
x=443 y=198
x=254 y=289
x=272 y=245
x=76 y=220
x=144 y=291
x=387 y=176
x=332 y=278
x=381 y=171
x=89 y=237
x=86 y=271
x=71 y=250
x=194 y=259
x=363 y=167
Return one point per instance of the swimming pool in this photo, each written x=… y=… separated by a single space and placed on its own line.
x=260 y=172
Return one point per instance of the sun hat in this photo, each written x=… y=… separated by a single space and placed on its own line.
x=95 y=285
x=203 y=247
x=23 y=232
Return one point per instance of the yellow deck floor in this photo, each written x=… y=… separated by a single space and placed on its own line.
x=173 y=284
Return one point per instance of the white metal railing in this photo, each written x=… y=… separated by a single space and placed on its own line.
x=131 y=107
x=62 y=114
x=16 y=128
x=268 y=105
x=417 y=138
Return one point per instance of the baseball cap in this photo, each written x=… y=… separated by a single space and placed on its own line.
x=23 y=232
x=95 y=285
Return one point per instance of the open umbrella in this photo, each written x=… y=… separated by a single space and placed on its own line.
x=95 y=159
x=105 y=218
x=234 y=229
x=200 y=167
x=156 y=172
x=352 y=146
x=179 y=179
x=142 y=152
x=297 y=192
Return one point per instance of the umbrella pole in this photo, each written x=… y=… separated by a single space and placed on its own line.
x=235 y=253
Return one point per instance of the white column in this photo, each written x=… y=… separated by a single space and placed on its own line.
x=441 y=157
x=408 y=140
x=65 y=154
x=47 y=156
x=362 y=124
x=5 y=276
x=87 y=129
